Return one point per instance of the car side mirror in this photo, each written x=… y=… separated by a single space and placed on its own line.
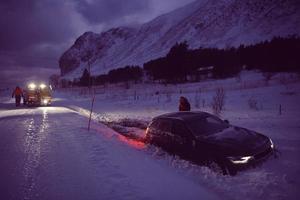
x=226 y=121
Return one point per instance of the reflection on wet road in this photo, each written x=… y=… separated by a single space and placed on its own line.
x=35 y=134
x=50 y=155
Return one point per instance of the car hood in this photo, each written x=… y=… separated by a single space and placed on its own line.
x=236 y=141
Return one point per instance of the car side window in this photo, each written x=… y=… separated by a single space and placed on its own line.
x=180 y=129
x=165 y=125
x=154 y=124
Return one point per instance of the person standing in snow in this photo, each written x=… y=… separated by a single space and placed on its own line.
x=184 y=104
x=17 y=93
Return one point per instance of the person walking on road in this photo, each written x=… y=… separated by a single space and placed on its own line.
x=17 y=93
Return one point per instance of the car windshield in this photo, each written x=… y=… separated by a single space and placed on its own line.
x=205 y=126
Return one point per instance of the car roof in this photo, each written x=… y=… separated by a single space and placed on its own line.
x=182 y=115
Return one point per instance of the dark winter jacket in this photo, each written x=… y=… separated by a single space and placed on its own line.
x=184 y=104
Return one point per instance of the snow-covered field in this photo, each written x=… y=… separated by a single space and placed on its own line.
x=47 y=153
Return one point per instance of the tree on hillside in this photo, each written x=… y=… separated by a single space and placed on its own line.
x=128 y=73
x=54 y=80
x=177 y=62
x=178 y=50
x=85 y=78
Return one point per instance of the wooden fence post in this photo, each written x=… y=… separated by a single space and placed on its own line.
x=91 y=111
x=280 y=109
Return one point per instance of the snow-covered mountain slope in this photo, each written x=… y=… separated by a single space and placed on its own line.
x=203 y=23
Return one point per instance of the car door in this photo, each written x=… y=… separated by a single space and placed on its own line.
x=165 y=134
x=183 y=141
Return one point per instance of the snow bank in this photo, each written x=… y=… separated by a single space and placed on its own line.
x=275 y=179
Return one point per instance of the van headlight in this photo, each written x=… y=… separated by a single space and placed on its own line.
x=42 y=86
x=240 y=160
x=45 y=101
x=31 y=86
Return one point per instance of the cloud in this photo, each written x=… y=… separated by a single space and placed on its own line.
x=27 y=23
x=34 y=33
x=19 y=76
x=104 y=11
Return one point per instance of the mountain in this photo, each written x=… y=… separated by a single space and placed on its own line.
x=203 y=23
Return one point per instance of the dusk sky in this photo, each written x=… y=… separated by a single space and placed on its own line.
x=34 y=33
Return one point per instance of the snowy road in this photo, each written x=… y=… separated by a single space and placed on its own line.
x=47 y=153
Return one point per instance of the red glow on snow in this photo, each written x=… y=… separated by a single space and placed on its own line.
x=133 y=143
x=107 y=132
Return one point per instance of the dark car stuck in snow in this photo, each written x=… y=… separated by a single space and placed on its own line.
x=207 y=140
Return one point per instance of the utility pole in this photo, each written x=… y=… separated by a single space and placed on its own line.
x=90 y=76
x=91 y=111
x=88 y=58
